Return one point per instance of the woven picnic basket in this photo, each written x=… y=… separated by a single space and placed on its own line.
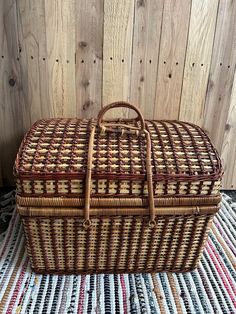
x=119 y=196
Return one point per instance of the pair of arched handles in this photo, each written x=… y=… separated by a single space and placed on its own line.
x=111 y=126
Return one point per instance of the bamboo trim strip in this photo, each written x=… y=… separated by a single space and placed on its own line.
x=116 y=201
x=139 y=211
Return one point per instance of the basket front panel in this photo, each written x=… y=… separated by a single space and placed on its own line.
x=115 y=244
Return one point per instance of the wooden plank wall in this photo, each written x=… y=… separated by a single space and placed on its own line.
x=174 y=59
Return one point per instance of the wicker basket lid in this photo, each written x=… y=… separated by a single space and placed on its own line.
x=57 y=149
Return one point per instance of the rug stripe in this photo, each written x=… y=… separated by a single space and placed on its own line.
x=184 y=294
x=224 y=247
x=217 y=259
x=81 y=295
x=214 y=283
x=209 y=290
x=10 y=268
x=223 y=276
x=206 y=305
x=132 y=296
x=27 y=293
x=124 y=294
x=175 y=293
x=149 y=289
x=158 y=293
x=167 y=292
x=19 y=286
x=6 y=265
x=222 y=284
x=16 y=272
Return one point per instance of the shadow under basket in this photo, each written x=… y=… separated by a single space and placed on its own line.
x=124 y=196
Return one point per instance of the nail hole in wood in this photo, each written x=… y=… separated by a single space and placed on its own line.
x=169 y=75
x=193 y=64
x=122 y=60
x=228 y=66
x=202 y=65
x=17 y=58
x=82 y=61
x=2 y=57
x=164 y=62
x=12 y=82
x=57 y=60
x=94 y=61
x=67 y=61
x=85 y=83
x=140 y=60
x=140 y=3
x=227 y=126
x=19 y=50
x=110 y=58
x=177 y=63
x=32 y=57
x=220 y=64
x=87 y=104
x=43 y=59
x=150 y=61
x=83 y=44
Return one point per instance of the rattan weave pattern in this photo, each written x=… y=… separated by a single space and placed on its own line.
x=111 y=197
x=53 y=157
x=115 y=244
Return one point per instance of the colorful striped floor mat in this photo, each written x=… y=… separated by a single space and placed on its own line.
x=209 y=289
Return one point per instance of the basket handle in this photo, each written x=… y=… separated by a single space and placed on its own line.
x=111 y=126
x=141 y=130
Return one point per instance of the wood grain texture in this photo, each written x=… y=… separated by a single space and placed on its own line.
x=89 y=54
x=229 y=146
x=145 y=54
x=32 y=48
x=10 y=84
x=198 y=58
x=221 y=73
x=117 y=46
x=172 y=56
x=60 y=44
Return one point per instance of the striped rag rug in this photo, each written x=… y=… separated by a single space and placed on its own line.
x=209 y=289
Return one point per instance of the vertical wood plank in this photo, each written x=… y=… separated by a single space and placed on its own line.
x=10 y=84
x=198 y=57
x=145 y=53
x=32 y=48
x=172 y=56
x=221 y=72
x=89 y=53
x=229 y=147
x=60 y=43
x=117 y=46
